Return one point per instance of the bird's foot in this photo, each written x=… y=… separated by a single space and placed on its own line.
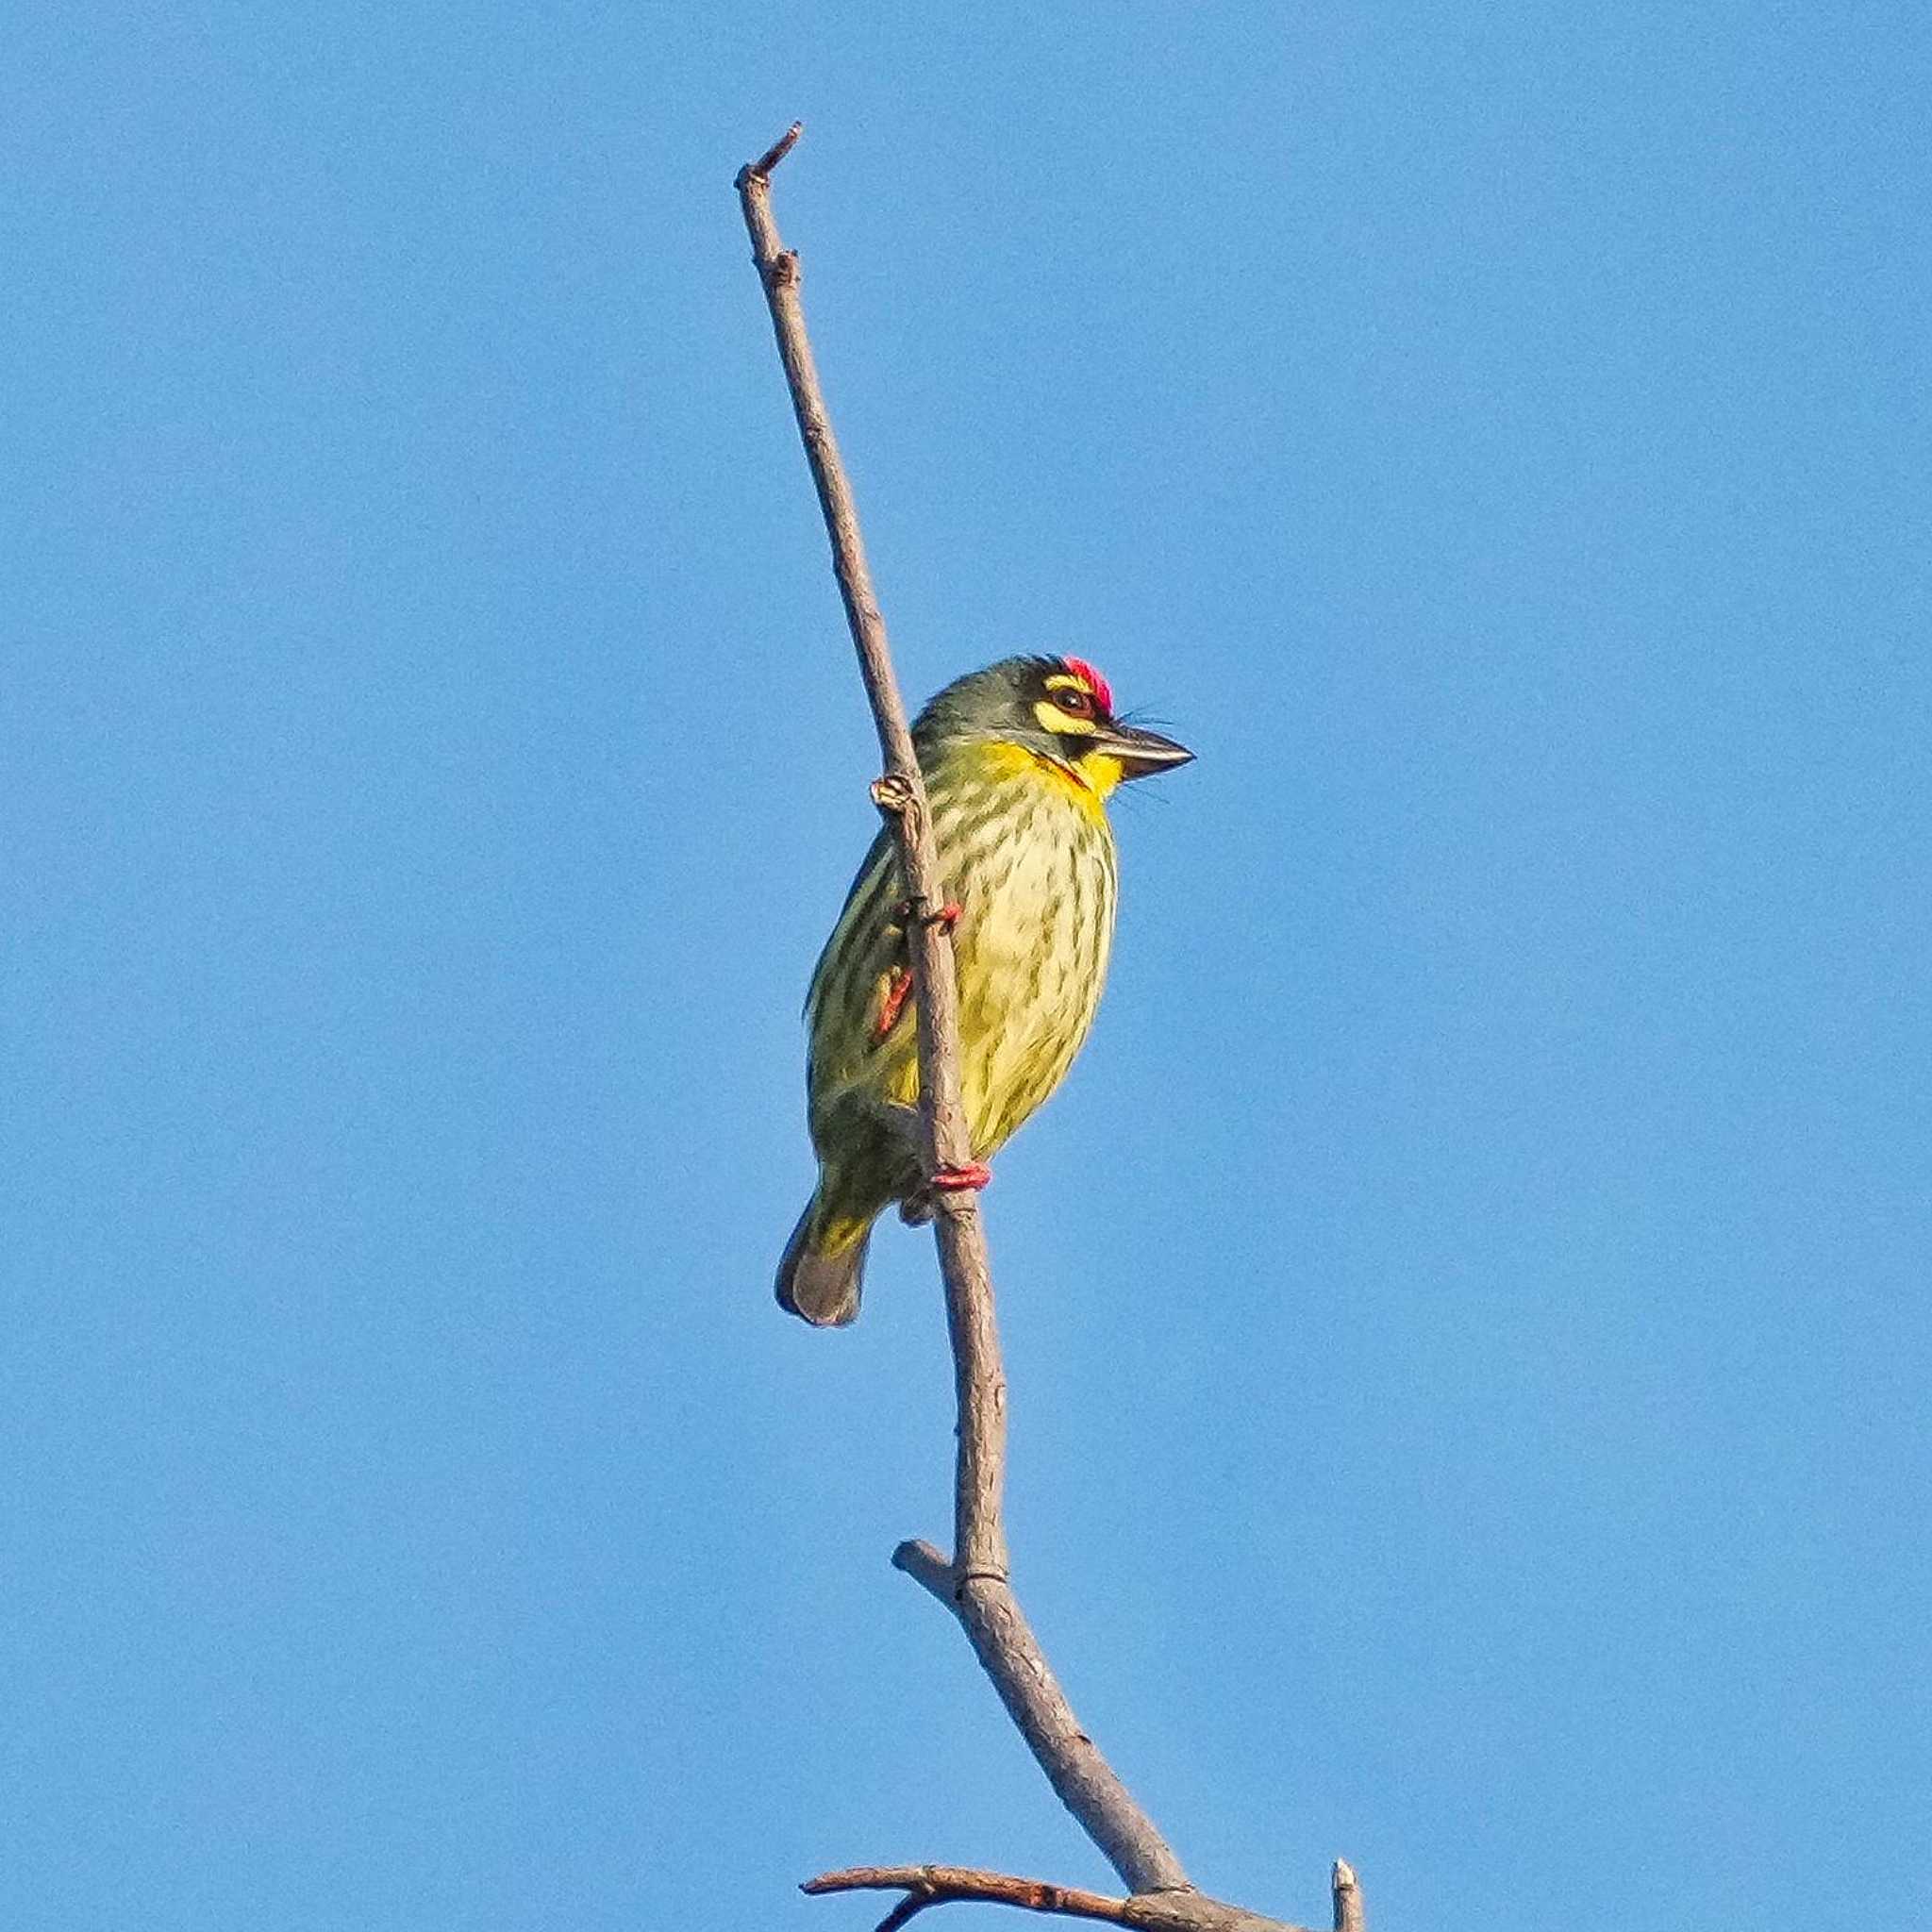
x=946 y=918
x=970 y=1178
x=916 y=1209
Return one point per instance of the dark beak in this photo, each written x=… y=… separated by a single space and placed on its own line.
x=1141 y=752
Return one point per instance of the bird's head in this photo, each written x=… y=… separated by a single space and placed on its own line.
x=1059 y=711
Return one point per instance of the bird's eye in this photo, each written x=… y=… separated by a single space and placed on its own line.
x=1079 y=702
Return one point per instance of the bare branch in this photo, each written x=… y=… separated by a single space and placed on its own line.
x=1011 y=1657
x=979 y=1593
x=901 y=797
x=938 y=1885
x=974 y=1585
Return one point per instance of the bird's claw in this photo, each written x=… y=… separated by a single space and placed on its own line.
x=946 y=918
x=917 y=1207
x=968 y=1179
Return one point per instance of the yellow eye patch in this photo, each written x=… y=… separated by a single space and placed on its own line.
x=1053 y=719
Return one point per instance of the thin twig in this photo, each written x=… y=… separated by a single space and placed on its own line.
x=907 y=1910
x=900 y=795
x=975 y=1585
x=937 y=1885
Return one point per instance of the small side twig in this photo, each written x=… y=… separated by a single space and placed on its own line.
x=762 y=167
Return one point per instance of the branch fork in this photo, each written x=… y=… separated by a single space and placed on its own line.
x=973 y=1582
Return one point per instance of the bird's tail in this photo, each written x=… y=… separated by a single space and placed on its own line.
x=824 y=1261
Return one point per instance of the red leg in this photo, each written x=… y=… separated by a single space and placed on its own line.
x=898 y=984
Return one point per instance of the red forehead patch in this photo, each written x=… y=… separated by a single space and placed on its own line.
x=1096 y=683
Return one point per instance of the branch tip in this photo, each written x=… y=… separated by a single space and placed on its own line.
x=1348 y=1898
x=760 y=169
x=919 y=1560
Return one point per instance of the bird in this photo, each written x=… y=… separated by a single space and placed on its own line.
x=1019 y=760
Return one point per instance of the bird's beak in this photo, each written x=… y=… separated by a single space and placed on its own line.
x=1140 y=754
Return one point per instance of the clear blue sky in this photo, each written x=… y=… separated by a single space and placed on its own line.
x=1467 y=1312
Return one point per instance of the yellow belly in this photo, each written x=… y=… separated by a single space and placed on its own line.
x=1029 y=858
x=1035 y=930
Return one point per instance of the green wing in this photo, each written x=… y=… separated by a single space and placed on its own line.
x=844 y=1005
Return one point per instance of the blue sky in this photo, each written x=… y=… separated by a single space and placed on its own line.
x=1466 y=1312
